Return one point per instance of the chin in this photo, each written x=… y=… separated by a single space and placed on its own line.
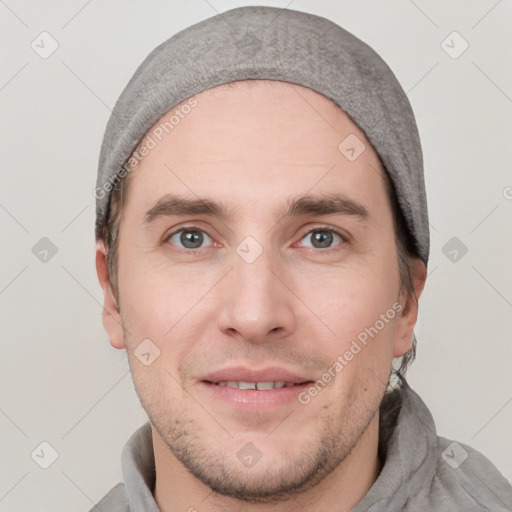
x=270 y=482
x=254 y=469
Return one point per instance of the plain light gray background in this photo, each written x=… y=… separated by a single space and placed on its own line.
x=62 y=382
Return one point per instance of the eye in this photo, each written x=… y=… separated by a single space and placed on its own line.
x=323 y=238
x=190 y=238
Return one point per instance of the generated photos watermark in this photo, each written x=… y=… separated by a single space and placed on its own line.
x=149 y=142
x=356 y=346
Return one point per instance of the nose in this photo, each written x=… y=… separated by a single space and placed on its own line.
x=257 y=305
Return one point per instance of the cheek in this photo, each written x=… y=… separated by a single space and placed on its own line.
x=361 y=310
x=154 y=315
x=154 y=298
x=144 y=305
x=351 y=299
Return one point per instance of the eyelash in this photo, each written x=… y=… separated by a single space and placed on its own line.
x=344 y=238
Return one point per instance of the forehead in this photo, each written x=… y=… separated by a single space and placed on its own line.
x=258 y=137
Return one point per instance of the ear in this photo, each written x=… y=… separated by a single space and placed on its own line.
x=407 y=318
x=111 y=315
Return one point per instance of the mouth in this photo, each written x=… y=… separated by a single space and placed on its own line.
x=260 y=386
x=254 y=390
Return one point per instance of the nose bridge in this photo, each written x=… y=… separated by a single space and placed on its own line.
x=256 y=303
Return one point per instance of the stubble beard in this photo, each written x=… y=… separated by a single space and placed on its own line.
x=264 y=483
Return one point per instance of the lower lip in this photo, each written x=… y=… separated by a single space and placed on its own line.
x=253 y=399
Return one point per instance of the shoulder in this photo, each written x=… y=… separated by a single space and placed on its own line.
x=115 y=500
x=465 y=477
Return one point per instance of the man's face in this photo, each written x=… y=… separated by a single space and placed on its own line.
x=258 y=295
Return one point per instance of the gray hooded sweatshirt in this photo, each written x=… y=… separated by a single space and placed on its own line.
x=422 y=472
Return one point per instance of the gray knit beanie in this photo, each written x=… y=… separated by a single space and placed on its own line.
x=259 y=42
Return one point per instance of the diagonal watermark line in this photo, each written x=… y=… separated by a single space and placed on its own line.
x=74 y=218
x=91 y=295
x=210 y=493
x=421 y=421
x=13 y=218
x=199 y=403
x=13 y=279
x=198 y=301
x=270 y=23
x=493 y=287
x=13 y=13
x=422 y=78
x=313 y=108
x=404 y=96
x=279 y=13
x=281 y=422
x=492 y=81
x=5 y=495
x=486 y=14
x=221 y=14
x=433 y=227
x=81 y=490
x=307 y=191
x=300 y=505
x=505 y=505
x=76 y=14
x=492 y=211
x=108 y=391
x=334 y=334
x=13 y=423
x=424 y=13
x=206 y=1
x=192 y=192
x=14 y=76
x=82 y=286
x=432 y=270
x=71 y=71
x=378 y=171
x=506 y=403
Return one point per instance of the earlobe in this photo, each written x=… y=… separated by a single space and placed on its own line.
x=407 y=318
x=111 y=316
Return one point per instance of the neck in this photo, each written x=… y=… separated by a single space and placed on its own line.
x=177 y=489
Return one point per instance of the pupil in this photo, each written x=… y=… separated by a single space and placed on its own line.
x=191 y=239
x=324 y=238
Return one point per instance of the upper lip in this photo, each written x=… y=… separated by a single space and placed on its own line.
x=242 y=374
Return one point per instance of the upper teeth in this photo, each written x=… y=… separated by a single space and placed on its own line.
x=254 y=385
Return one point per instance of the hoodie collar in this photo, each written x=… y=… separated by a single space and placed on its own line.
x=139 y=473
x=409 y=449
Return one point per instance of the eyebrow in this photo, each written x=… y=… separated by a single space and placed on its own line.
x=325 y=204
